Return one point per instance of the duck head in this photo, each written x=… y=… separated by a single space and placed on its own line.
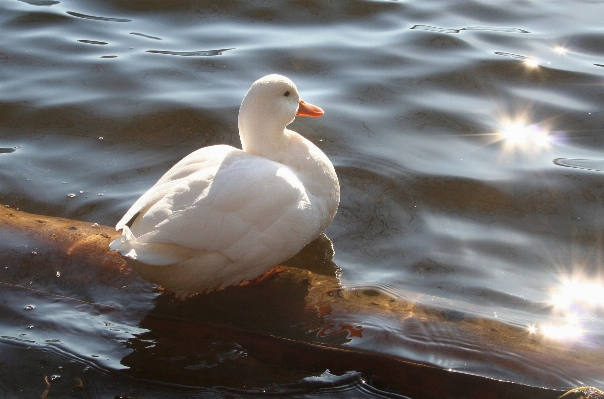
x=269 y=106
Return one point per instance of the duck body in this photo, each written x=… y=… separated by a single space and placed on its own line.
x=223 y=216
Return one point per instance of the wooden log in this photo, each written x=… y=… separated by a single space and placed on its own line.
x=308 y=289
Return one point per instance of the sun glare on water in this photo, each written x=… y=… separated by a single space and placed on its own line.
x=562 y=332
x=576 y=292
x=531 y=62
x=574 y=300
x=517 y=134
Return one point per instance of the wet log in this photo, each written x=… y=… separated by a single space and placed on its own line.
x=314 y=290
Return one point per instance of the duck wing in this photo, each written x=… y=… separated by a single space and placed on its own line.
x=246 y=208
x=206 y=158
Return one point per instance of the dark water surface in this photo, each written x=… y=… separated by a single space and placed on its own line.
x=467 y=136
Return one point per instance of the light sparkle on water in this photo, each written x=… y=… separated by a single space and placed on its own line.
x=571 y=299
x=579 y=292
x=562 y=331
x=518 y=134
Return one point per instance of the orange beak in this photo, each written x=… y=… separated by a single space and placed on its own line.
x=305 y=109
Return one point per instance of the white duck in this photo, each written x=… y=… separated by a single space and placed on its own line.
x=223 y=216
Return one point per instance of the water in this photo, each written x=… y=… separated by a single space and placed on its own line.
x=467 y=138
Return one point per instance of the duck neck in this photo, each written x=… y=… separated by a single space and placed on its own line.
x=261 y=135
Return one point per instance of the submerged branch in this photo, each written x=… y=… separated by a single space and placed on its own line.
x=309 y=294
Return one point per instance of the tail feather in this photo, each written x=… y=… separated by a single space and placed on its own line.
x=156 y=254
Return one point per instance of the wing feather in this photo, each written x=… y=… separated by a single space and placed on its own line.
x=246 y=208
x=206 y=158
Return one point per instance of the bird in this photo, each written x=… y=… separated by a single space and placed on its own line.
x=225 y=216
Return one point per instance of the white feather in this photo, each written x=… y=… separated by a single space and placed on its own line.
x=222 y=215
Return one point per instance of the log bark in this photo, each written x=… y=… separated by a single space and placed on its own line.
x=315 y=295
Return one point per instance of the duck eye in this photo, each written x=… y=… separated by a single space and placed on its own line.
x=286 y=94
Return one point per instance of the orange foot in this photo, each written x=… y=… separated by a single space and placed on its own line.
x=350 y=330
x=265 y=276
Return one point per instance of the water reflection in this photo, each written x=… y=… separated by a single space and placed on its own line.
x=517 y=134
x=267 y=332
x=577 y=292
x=228 y=331
x=573 y=303
x=531 y=62
x=567 y=331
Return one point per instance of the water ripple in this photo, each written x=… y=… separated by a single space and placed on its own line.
x=596 y=165
x=92 y=42
x=496 y=29
x=481 y=28
x=434 y=29
x=84 y=16
x=201 y=53
x=512 y=55
x=40 y=2
x=147 y=36
x=350 y=384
